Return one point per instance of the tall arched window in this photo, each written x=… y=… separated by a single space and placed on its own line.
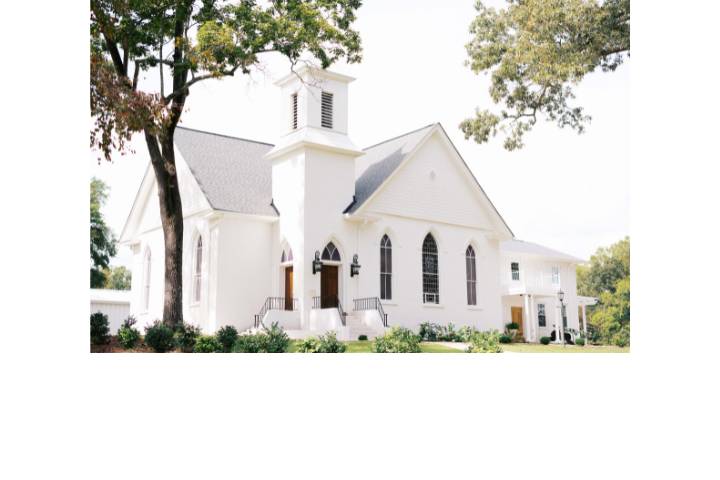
x=431 y=282
x=197 y=271
x=470 y=275
x=146 y=279
x=385 y=268
x=331 y=253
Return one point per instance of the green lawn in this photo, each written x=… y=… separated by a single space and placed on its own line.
x=366 y=347
x=539 y=348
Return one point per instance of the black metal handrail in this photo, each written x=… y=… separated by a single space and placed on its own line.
x=334 y=302
x=371 y=303
x=273 y=303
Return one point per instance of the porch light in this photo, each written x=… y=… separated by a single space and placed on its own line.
x=354 y=266
x=317 y=264
x=561 y=296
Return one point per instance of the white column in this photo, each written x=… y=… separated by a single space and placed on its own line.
x=584 y=323
x=533 y=319
x=526 y=328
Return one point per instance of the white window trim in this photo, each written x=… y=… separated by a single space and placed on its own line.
x=147 y=267
x=196 y=287
x=392 y=274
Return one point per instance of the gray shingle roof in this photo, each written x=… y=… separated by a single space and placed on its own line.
x=232 y=172
x=380 y=161
x=521 y=246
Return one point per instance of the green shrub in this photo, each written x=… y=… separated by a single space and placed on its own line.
x=485 y=342
x=512 y=326
x=99 y=329
x=226 y=337
x=448 y=333
x=159 y=337
x=580 y=342
x=363 y=338
x=272 y=340
x=207 y=344
x=429 y=332
x=505 y=338
x=128 y=335
x=545 y=340
x=397 y=340
x=327 y=343
x=465 y=333
x=277 y=340
x=185 y=337
x=621 y=338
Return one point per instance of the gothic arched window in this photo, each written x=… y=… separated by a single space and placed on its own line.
x=385 y=268
x=146 y=279
x=470 y=275
x=331 y=253
x=431 y=281
x=197 y=271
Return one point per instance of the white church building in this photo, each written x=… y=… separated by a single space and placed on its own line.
x=317 y=234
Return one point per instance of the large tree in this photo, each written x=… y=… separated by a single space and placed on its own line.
x=536 y=52
x=189 y=42
x=102 y=239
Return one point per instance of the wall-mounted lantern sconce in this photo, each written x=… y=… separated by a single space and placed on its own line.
x=354 y=266
x=317 y=264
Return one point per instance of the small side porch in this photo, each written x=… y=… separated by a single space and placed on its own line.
x=536 y=311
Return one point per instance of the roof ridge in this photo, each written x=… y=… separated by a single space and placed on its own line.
x=224 y=135
x=400 y=136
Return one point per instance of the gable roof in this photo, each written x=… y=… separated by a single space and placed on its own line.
x=231 y=172
x=380 y=161
x=529 y=248
x=383 y=159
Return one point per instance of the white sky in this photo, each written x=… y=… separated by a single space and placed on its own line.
x=563 y=190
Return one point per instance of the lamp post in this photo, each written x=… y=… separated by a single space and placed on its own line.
x=561 y=330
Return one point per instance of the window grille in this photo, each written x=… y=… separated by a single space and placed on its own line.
x=515 y=270
x=541 y=314
x=471 y=275
x=431 y=283
x=385 y=268
x=327 y=110
x=331 y=253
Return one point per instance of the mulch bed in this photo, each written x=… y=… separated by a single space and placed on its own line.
x=115 y=347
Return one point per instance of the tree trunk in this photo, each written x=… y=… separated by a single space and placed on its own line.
x=162 y=158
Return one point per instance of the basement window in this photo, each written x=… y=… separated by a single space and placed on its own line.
x=326 y=113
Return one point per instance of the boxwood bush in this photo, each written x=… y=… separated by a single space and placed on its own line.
x=99 y=329
x=185 y=337
x=159 y=337
x=505 y=338
x=272 y=340
x=397 y=340
x=580 y=342
x=128 y=335
x=207 y=344
x=545 y=340
x=226 y=337
x=363 y=338
x=327 y=343
x=485 y=342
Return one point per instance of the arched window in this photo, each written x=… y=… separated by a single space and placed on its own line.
x=197 y=271
x=146 y=279
x=286 y=257
x=385 y=268
x=331 y=253
x=431 y=282
x=283 y=257
x=470 y=275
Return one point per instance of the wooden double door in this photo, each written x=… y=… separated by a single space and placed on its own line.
x=517 y=317
x=329 y=286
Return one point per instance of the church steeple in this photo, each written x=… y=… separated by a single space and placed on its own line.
x=315 y=111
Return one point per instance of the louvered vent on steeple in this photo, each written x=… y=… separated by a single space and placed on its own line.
x=326 y=117
x=294 y=111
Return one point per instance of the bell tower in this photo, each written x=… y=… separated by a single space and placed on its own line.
x=313 y=169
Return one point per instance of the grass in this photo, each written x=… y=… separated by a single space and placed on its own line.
x=366 y=347
x=539 y=348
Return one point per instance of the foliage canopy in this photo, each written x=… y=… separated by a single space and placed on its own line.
x=536 y=52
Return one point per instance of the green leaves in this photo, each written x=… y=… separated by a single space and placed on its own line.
x=536 y=51
x=102 y=239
